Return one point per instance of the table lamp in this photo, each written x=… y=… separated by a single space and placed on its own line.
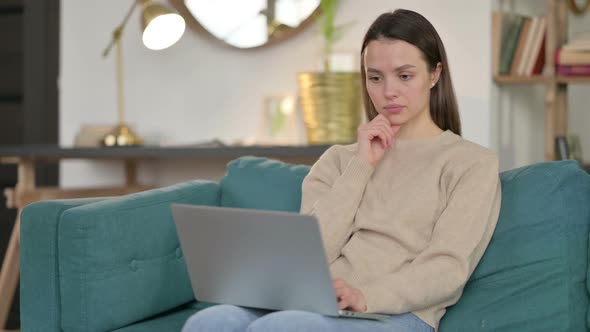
x=161 y=29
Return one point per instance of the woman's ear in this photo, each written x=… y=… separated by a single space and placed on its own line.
x=435 y=75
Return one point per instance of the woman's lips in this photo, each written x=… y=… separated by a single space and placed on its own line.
x=393 y=108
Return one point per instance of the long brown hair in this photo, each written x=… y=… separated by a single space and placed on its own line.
x=415 y=29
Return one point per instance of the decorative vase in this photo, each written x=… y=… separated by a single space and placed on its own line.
x=331 y=106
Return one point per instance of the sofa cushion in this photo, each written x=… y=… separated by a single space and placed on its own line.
x=262 y=183
x=120 y=260
x=169 y=321
x=532 y=276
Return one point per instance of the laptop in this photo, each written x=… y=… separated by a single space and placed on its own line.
x=257 y=259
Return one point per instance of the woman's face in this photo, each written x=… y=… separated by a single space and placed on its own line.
x=398 y=81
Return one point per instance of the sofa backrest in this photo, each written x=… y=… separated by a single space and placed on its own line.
x=261 y=183
x=532 y=276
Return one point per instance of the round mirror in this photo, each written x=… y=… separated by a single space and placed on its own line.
x=248 y=23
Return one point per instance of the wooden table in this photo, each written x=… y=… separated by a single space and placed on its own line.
x=26 y=192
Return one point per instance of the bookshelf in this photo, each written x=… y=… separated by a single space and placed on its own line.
x=573 y=79
x=556 y=86
x=509 y=79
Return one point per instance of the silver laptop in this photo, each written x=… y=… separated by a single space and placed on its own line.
x=258 y=259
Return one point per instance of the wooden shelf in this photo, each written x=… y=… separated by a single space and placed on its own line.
x=520 y=79
x=540 y=79
x=573 y=79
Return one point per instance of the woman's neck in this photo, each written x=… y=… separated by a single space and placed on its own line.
x=420 y=127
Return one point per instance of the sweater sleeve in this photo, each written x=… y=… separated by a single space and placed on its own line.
x=461 y=234
x=332 y=191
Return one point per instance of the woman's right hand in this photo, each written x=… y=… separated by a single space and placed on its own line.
x=374 y=137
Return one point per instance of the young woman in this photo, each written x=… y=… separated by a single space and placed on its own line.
x=407 y=211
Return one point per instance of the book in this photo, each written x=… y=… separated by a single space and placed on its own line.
x=577 y=46
x=539 y=64
x=520 y=46
x=536 y=61
x=573 y=70
x=566 y=57
x=527 y=55
x=561 y=148
x=509 y=43
x=499 y=25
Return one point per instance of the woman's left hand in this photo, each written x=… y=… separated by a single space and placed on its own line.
x=349 y=297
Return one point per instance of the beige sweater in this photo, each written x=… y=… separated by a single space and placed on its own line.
x=409 y=232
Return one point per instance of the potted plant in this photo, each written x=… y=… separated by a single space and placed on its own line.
x=330 y=100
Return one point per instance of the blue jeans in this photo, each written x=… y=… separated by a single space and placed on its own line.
x=230 y=318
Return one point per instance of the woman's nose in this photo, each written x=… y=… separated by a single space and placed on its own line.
x=391 y=89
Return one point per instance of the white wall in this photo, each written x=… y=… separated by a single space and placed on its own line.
x=198 y=90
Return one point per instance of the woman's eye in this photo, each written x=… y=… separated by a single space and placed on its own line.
x=374 y=78
x=405 y=77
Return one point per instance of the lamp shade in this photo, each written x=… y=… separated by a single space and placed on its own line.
x=161 y=27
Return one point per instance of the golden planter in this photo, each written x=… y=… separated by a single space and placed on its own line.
x=331 y=106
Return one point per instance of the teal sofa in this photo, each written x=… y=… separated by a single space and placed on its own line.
x=114 y=264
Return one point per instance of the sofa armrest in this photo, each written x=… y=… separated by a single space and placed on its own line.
x=119 y=259
x=39 y=283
